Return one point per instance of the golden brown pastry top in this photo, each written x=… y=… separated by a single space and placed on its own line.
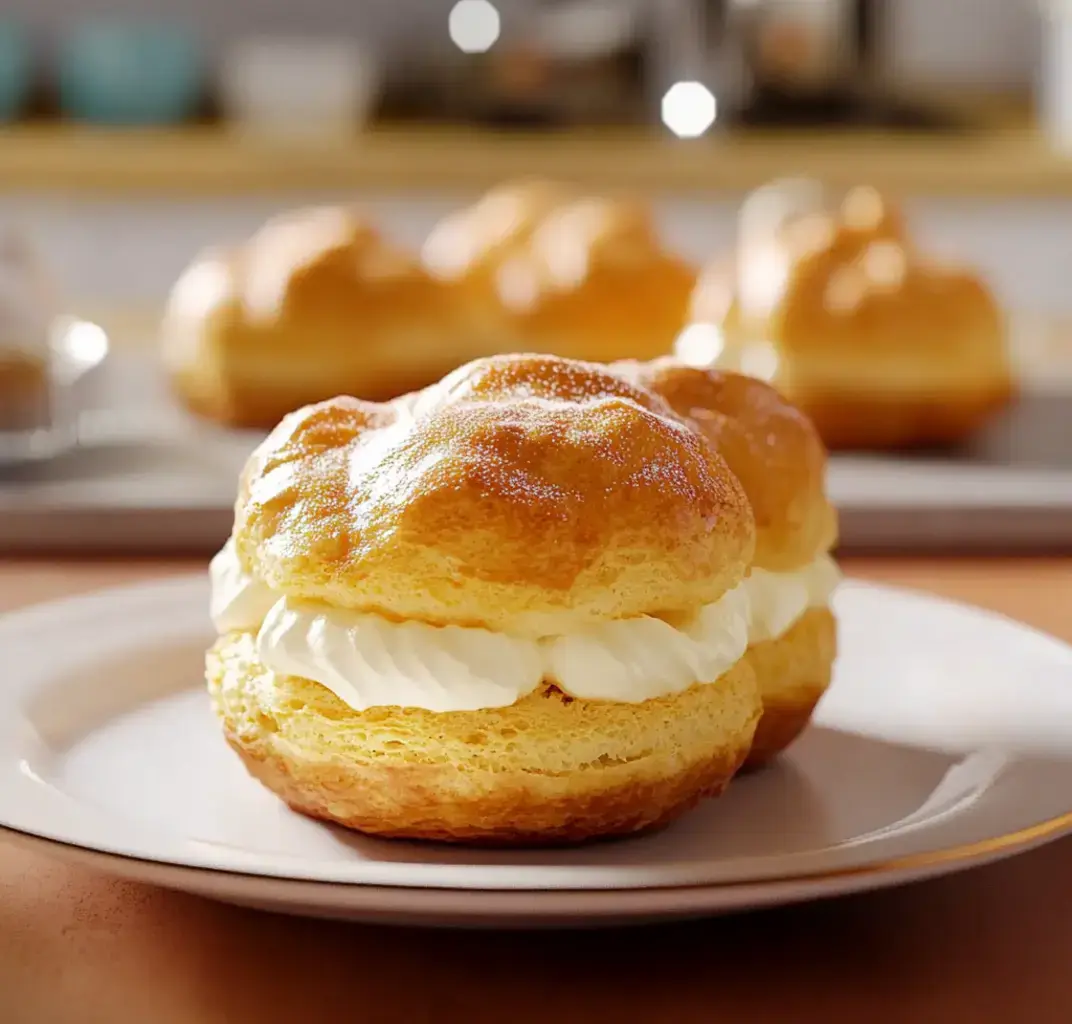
x=471 y=241
x=849 y=281
x=528 y=494
x=315 y=276
x=582 y=276
x=770 y=446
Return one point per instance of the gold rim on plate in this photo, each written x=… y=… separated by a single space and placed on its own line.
x=1019 y=840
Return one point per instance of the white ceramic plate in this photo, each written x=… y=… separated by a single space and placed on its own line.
x=945 y=741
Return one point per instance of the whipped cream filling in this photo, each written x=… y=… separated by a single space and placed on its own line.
x=238 y=600
x=778 y=599
x=369 y=661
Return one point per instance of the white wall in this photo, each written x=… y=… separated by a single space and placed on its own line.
x=974 y=42
x=128 y=252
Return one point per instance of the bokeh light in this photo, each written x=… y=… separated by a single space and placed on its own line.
x=474 y=25
x=689 y=109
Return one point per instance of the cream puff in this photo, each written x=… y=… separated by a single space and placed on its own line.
x=879 y=345
x=318 y=302
x=547 y=269
x=776 y=454
x=507 y=609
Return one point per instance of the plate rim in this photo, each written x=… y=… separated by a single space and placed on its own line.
x=408 y=905
x=945 y=858
x=949 y=857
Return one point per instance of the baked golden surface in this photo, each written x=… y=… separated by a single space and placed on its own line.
x=524 y=494
x=548 y=769
x=770 y=446
x=315 y=304
x=843 y=312
x=547 y=269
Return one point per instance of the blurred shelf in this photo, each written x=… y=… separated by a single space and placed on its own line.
x=208 y=161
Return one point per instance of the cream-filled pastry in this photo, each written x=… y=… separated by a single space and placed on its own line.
x=880 y=345
x=780 y=461
x=511 y=608
x=368 y=660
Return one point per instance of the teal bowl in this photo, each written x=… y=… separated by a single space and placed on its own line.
x=16 y=69
x=130 y=73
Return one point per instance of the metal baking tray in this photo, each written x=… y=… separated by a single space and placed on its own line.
x=145 y=478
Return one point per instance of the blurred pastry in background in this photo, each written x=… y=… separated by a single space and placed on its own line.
x=316 y=304
x=780 y=461
x=547 y=269
x=27 y=309
x=881 y=346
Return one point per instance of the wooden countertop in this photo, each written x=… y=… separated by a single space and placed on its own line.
x=989 y=945
x=1007 y=160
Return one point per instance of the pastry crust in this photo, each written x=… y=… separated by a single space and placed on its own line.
x=770 y=446
x=891 y=423
x=879 y=345
x=777 y=455
x=317 y=303
x=546 y=269
x=792 y=672
x=547 y=770
x=524 y=494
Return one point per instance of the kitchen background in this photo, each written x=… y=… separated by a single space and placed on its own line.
x=987 y=42
x=961 y=109
x=956 y=46
x=989 y=46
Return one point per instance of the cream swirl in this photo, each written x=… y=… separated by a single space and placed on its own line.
x=637 y=659
x=777 y=600
x=239 y=601
x=369 y=661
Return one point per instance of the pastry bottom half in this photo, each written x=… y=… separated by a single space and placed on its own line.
x=898 y=420
x=792 y=673
x=549 y=769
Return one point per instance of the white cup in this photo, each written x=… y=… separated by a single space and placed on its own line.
x=298 y=86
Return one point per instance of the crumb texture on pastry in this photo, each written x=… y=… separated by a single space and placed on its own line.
x=792 y=673
x=771 y=447
x=316 y=302
x=548 y=769
x=518 y=490
x=554 y=270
